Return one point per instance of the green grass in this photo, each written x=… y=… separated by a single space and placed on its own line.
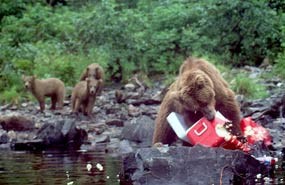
x=248 y=87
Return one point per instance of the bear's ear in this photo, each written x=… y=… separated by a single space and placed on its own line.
x=87 y=79
x=97 y=73
x=99 y=84
x=199 y=81
x=23 y=77
x=34 y=77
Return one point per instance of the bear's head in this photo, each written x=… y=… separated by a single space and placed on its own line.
x=93 y=72
x=92 y=85
x=28 y=81
x=196 y=93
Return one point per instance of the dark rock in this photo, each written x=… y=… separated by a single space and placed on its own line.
x=115 y=122
x=189 y=165
x=139 y=130
x=62 y=134
x=51 y=133
x=4 y=138
x=16 y=123
x=145 y=101
x=34 y=145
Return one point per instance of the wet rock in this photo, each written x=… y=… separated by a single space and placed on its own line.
x=145 y=101
x=102 y=139
x=16 y=123
x=34 y=145
x=62 y=134
x=134 y=111
x=189 y=165
x=125 y=147
x=139 y=130
x=115 y=122
x=4 y=138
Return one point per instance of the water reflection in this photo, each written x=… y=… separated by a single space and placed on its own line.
x=58 y=167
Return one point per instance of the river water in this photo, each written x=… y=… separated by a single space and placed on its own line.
x=58 y=167
x=79 y=167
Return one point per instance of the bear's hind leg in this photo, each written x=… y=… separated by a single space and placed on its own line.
x=60 y=99
x=53 y=102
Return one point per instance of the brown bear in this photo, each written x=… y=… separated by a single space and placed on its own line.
x=199 y=91
x=84 y=95
x=50 y=87
x=95 y=71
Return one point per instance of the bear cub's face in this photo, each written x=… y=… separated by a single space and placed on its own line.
x=196 y=93
x=28 y=81
x=92 y=86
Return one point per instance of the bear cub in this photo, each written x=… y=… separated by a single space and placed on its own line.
x=41 y=88
x=198 y=91
x=96 y=72
x=84 y=95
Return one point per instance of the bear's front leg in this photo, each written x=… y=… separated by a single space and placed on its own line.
x=89 y=108
x=76 y=106
x=42 y=105
x=163 y=133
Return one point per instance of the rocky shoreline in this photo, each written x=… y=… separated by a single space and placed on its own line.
x=123 y=120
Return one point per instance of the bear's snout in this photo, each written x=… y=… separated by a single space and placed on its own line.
x=93 y=92
x=209 y=113
x=26 y=85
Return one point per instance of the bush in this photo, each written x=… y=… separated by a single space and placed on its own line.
x=153 y=37
x=248 y=31
x=10 y=96
x=248 y=87
x=279 y=67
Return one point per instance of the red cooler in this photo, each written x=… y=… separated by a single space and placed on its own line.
x=207 y=133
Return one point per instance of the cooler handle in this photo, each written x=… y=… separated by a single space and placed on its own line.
x=202 y=131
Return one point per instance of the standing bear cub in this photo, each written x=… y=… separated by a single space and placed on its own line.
x=198 y=91
x=94 y=71
x=50 y=87
x=84 y=95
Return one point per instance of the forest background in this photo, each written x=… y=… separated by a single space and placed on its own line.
x=59 y=38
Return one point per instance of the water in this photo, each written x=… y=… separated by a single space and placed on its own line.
x=58 y=167
x=79 y=167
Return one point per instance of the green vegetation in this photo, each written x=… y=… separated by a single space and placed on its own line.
x=248 y=87
x=151 y=36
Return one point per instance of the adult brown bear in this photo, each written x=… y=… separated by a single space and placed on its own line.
x=199 y=90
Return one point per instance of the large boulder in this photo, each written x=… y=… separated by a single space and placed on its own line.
x=16 y=122
x=61 y=134
x=139 y=130
x=189 y=165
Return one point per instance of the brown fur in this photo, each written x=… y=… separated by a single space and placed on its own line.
x=50 y=87
x=198 y=91
x=84 y=95
x=94 y=71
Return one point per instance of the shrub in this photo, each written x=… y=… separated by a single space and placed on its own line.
x=248 y=87
x=10 y=96
x=279 y=67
